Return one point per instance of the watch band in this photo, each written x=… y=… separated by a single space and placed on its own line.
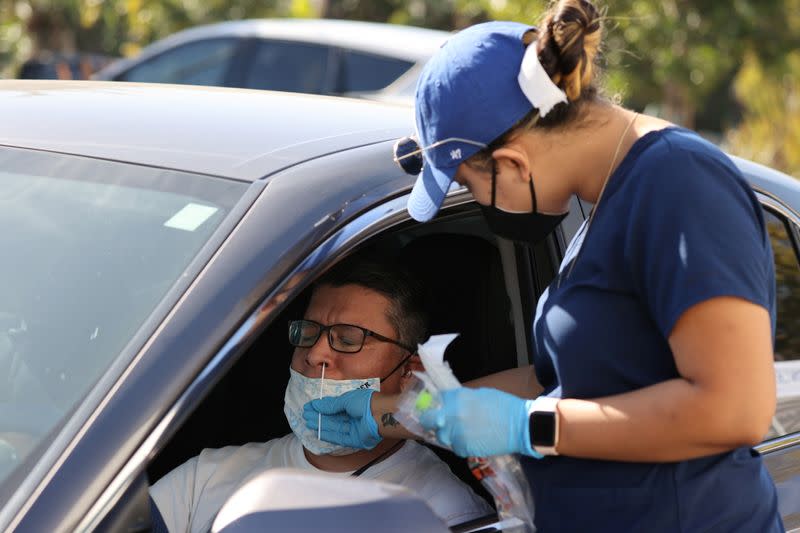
x=543 y=423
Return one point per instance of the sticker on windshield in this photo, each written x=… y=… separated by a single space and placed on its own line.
x=191 y=217
x=787 y=379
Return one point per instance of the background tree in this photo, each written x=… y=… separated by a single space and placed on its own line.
x=110 y=27
x=729 y=69
x=770 y=129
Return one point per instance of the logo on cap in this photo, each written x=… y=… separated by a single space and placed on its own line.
x=455 y=154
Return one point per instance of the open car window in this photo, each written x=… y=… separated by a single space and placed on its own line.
x=246 y=406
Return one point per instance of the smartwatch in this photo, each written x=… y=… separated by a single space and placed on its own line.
x=543 y=425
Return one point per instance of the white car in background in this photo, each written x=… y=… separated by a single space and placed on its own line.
x=318 y=56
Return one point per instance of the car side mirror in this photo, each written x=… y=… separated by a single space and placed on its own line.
x=295 y=500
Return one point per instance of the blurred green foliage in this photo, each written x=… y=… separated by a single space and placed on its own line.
x=770 y=129
x=730 y=69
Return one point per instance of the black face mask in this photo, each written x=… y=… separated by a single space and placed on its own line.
x=527 y=228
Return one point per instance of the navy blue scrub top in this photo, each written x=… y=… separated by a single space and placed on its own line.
x=677 y=225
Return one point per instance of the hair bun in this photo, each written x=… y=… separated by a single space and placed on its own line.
x=569 y=44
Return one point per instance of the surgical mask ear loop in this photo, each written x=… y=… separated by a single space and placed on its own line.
x=321 y=388
x=494 y=187
x=401 y=363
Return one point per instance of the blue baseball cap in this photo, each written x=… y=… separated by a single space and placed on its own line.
x=467 y=96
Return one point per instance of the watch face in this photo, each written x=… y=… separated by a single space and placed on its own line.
x=543 y=428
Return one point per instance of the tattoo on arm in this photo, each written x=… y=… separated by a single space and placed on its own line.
x=387 y=419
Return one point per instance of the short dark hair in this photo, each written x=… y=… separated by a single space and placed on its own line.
x=406 y=312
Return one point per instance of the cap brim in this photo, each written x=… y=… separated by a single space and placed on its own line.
x=429 y=191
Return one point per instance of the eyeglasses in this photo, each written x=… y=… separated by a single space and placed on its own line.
x=408 y=152
x=344 y=338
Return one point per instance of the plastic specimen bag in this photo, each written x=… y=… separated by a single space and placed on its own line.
x=501 y=475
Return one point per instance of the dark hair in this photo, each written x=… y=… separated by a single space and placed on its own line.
x=568 y=41
x=406 y=312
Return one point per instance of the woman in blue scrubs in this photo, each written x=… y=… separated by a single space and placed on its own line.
x=653 y=344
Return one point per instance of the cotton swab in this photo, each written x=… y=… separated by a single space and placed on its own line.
x=319 y=419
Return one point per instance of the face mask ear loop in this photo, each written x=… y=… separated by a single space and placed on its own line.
x=494 y=180
x=401 y=363
x=533 y=193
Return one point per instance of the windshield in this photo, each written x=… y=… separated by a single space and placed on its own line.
x=89 y=249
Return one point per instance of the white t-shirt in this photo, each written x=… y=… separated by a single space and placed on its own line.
x=190 y=496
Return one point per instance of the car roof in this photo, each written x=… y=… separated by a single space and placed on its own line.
x=233 y=133
x=393 y=40
x=780 y=186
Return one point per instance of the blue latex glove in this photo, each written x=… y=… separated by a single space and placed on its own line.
x=346 y=420
x=481 y=422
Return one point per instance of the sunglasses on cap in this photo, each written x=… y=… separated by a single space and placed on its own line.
x=408 y=154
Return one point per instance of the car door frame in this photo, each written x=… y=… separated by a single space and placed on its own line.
x=782 y=454
x=123 y=492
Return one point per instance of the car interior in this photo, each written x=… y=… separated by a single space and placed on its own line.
x=465 y=271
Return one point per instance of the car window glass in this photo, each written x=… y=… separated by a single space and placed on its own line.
x=288 y=66
x=197 y=63
x=787 y=339
x=92 y=247
x=369 y=72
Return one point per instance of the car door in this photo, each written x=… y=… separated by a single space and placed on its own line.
x=781 y=450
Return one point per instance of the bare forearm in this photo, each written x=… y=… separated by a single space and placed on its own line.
x=520 y=382
x=384 y=408
x=725 y=398
x=670 y=421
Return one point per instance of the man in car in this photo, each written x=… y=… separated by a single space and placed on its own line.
x=361 y=329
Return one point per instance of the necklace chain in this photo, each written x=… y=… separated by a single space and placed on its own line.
x=600 y=196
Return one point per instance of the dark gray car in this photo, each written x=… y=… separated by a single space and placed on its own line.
x=156 y=239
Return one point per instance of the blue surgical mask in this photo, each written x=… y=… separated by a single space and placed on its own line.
x=302 y=390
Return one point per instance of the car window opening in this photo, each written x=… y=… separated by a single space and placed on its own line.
x=468 y=295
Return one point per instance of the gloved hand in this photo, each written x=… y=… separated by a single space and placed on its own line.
x=346 y=420
x=481 y=422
